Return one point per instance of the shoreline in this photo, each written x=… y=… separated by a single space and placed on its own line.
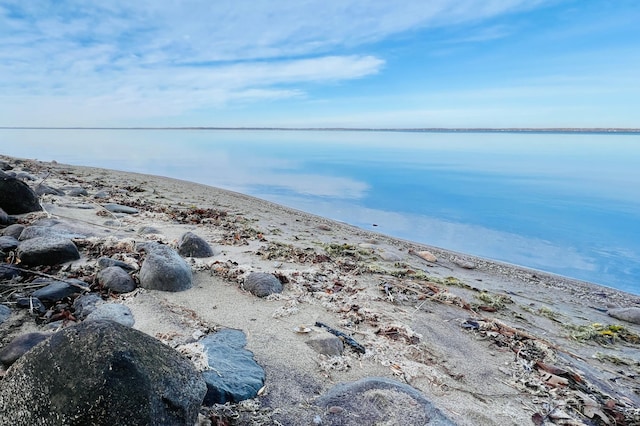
x=470 y=334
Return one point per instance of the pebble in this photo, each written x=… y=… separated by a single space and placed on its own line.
x=85 y=304
x=106 y=262
x=32 y=303
x=117 y=208
x=330 y=346
x=56 y=290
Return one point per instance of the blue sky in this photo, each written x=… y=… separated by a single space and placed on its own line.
x=351 y=63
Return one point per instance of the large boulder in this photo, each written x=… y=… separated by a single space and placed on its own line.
x=49 y=250
x=164 y=269
x=102 y=373
x=16 y=197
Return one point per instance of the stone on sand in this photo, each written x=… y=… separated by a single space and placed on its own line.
x=116 y=279
x=631 y=315
x=49 y=250
x=192 y=245
x=262 y=284
x=16 y=197
x=164 y=269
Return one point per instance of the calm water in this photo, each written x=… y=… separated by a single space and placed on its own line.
x=563 y=203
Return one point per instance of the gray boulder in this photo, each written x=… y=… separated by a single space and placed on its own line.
x=16 y=197
x=85 y=304
x=8 y=243
x=116 y=279
x=262 y=284
x=5 y=313
x=112 y=312
x=375 y=400
x=51 y=250
x=56 y=290
x=164 y=269
x=191 y=245
x=13 y=230
x=19 y=346
x=631 y=315
x=234 y=375
x=101 y=372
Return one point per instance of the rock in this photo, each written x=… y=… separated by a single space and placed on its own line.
x=43 y=189
x=631 y=315
x=16 y=197
x=112 y=312
x=390 y=256
x=117 y=208
x=4 y=217
x=427 y=255
x=8 y=243
x=86 y=304
x=25 y=176
x=164 y=269
x=50 y=250
x=116 y=279
x=463 y=263
x=375 y=400
x=8 y=272
x=5 y=166
x=19 y=346
x=5 y=313
x=47 y=231
x=234 y=375
x=191 y=245
x=106 y=262
x=56 y=290
x=32 y=303
x=101 y=194
x=262 y=284
x=76 y=191
x=327 y=345
x=145 y=230
x=13 y=230
x=101 y=373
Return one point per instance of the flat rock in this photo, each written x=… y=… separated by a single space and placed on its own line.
x=32 y=303
x=116 y=279
x=86 y=304
x=112 y=375
x=5 y=313
x=262 y=284
x=51 y=250
x=13 y=230
x=19 y=346
x=16 y=197
x=8 y=243
x=164 y=269
x=47 y=231
x=326 y=345
x=234 y=374
x=390 y=256
x=106 y=262
x=55 y=290
x=464 y=263
x=191 y=245
x=118 y=208
x=375 y=400
x=43 y=189
x=631 y=315
x=76 y=191
x=427 y=255
x=112 y=312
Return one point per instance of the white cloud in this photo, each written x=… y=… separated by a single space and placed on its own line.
x=165 y=58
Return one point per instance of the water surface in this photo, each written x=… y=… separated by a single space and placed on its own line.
x=562 y=203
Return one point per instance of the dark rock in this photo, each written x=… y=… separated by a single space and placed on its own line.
x=5 y=313
x=116 y=279
x=4 y=217
x=76 y=191
x=106 y=262
x=262 y=284
x=85 y=304
x=19 y=346
x=32 y=303
x=374 y=400
x=16 y=197
x=117 y=208
x=48 y=231
x=51 y=250
x=56 y=290
x=191 y=245
x=25 y=176
x=101 y=373
x=112 y=312
x=234 y=375
x=43 y=189
x=330 y=345
x=164 y=269
x=631 y=315
x=8 y=272
x=5 y=166
x=13 y=230
x=8 y=243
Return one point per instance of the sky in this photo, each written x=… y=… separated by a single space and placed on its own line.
x=312 y=63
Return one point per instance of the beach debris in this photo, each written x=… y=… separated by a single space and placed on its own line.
x=399 y=333
x=492 y=302
x=603 y=334
x=302 y=329
x=345 y=338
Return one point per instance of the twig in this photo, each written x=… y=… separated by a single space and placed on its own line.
x=346 y=338
x=42 y=274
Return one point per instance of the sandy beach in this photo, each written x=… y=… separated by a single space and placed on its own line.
x=488 y=343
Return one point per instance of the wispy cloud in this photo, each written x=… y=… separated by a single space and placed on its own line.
x=153 y=58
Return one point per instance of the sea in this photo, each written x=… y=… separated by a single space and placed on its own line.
x=561 y=202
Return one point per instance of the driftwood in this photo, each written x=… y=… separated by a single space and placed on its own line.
x=345 y=338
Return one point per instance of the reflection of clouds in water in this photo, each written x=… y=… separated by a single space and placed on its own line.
x=465 y=238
